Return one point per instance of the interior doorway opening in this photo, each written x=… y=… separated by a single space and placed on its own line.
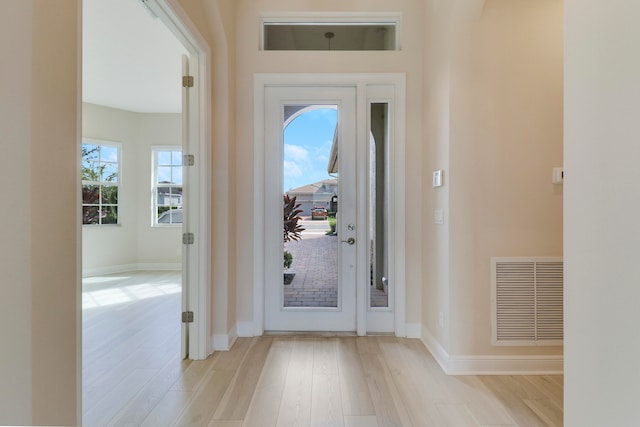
x=133 y=211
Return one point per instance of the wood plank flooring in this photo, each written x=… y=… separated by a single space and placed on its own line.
x=133 y=375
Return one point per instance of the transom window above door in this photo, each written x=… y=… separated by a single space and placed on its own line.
x=312 y=32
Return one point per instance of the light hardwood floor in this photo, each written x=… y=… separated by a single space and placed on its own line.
x=133 y=375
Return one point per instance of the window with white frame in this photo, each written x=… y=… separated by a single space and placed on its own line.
x=100 y=182
x=167 y=186
x=331 y=31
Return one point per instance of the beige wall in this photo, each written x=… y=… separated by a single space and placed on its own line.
x=506 y=136
x=134 y=241
x=39 y=367
x=602 y=230
x=494 y=122
x=15 y=222
x=435 y=156
x=54 y=236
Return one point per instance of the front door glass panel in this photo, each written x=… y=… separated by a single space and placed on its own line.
x=378 y=207
x=310 y=206
x=310 y=148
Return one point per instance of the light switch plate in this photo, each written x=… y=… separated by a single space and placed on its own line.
x=437 y=178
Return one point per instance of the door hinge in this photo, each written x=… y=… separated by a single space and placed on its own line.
x=187 y=317
x=188 y=160
x=188 y=239
x=187 y=81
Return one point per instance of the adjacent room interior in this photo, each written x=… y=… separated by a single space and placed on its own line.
x=132 y=201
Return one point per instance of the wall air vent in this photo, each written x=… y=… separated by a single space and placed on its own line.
x=527 y=301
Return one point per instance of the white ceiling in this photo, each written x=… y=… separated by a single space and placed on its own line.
x=130 y=60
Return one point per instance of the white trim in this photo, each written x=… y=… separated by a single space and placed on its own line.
x=198 y=208
x=224 y=342
x=306 y=79
x=376 y=318
x=506 y=365
x=492 y=365
x=246 y=329
x=220 y=342
x=398 y=199
x=123 y=268
x=413 y=330
x=160 y=266
x=362 y=232
x=258 y=203
x=437 y=351
x=331 y=17
x=394 y=18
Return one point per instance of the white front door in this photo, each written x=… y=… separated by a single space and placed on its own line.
x=366 y=278
x=322 y=294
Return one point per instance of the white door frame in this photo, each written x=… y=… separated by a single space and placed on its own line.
x=196 y=257
x=397 y=184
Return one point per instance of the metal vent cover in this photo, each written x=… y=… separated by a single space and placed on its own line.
x=527 y=301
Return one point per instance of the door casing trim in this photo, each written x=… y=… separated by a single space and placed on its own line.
x=196 y=261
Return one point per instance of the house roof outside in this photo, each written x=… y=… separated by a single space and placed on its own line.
x=327 y=187
x=318 y=194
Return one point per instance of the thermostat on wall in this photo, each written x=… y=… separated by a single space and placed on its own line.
x=437 y=178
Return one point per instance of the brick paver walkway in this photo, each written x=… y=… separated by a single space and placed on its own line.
x=315 y=261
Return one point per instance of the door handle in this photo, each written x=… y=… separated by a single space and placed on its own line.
x=349 y=241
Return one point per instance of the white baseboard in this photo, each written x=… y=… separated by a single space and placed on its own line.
x=224 y=342
x=220 y=342
x=506 y=365
x=492 y=365
x=245 y=329
x=112 y=269
x=233 y=336
x=123 y=268
x=413 y=330
x=435 y=348
x=166 y=266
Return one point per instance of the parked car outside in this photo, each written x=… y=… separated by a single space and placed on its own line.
x=319 y=212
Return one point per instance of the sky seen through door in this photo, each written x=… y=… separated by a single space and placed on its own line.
x=307 y=147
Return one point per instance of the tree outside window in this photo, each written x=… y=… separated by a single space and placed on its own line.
x=100 y=183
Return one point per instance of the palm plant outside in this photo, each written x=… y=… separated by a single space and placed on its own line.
x=99 y=200
x=292 y=229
